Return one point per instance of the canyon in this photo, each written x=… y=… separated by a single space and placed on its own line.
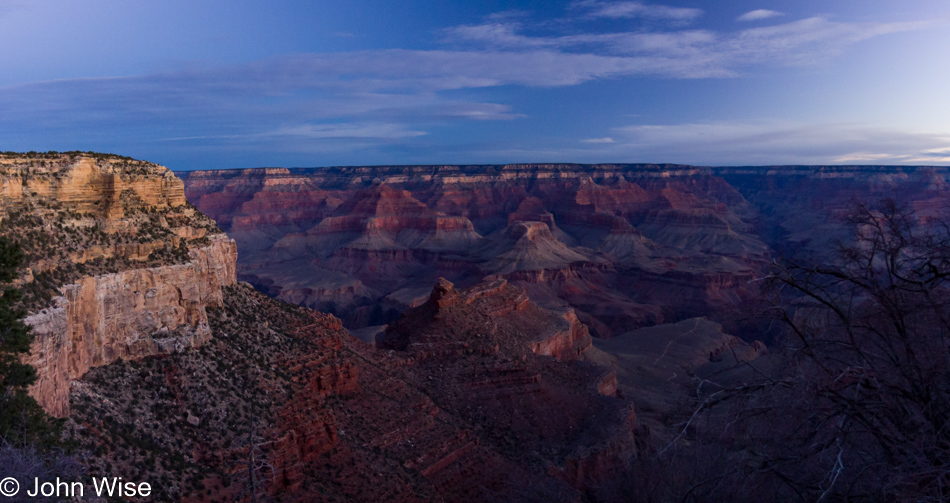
x=166 y=368
x=624 y=246
x=403 y=333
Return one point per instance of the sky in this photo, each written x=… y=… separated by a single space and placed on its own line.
x=235 y=84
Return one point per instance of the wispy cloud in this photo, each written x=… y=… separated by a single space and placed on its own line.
x=408 y=85
x=809 y=41
x=355 y=99
x=507 y=15
x=758 y=15
x=617 y=10
x=690 y=53
x=772 y=142
x=317 y=131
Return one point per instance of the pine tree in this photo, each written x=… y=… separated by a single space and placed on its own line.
x=21 y=418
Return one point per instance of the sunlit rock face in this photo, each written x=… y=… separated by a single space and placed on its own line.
x=126 y=315
x=118 y=264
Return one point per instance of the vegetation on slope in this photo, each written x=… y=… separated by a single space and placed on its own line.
x=180 y=421
x=21 y=418
x=63 y=242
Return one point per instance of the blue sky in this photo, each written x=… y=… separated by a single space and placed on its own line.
x=233 y=84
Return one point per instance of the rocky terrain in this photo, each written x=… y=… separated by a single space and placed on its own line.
x=119 y=265
x=626 y=246
x=504 y=333
x=169 y=371
x=459 y=411
x=655 y=366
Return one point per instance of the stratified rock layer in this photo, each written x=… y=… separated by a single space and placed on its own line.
x=625 y=246
x=118 y=264
x=130 y=314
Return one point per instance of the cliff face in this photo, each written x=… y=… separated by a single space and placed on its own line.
x=119 y=266
x=126 y=315
x=86 y=183
x=468 y=412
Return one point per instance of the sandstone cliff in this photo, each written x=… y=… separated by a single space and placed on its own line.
x=119 y=265
x=129 y=314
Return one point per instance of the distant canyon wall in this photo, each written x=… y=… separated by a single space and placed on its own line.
x=625 y=246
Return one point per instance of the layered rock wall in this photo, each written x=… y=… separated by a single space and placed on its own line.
x=624 y=245
x=117 y=265
x=126 y=315
x=568 y=233
x=86 y=184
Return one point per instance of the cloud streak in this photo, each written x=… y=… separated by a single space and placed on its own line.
x=364 y=98
x=629 y=10
x=758 y=15
x=777 y=142
x=694 y=53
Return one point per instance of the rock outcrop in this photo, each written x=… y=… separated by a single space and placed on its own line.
x=486 y=350
x=126 y=315
x=119 y=265
x=87 y=183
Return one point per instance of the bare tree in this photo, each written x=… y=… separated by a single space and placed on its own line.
x=253 y=468
x=856 y=404
x=861 y=407
x=871 y=350
x=24 y=462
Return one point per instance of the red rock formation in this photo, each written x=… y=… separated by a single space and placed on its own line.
x=483 y=351
x=568 y=233
x=467 y=413
x=126 y=315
